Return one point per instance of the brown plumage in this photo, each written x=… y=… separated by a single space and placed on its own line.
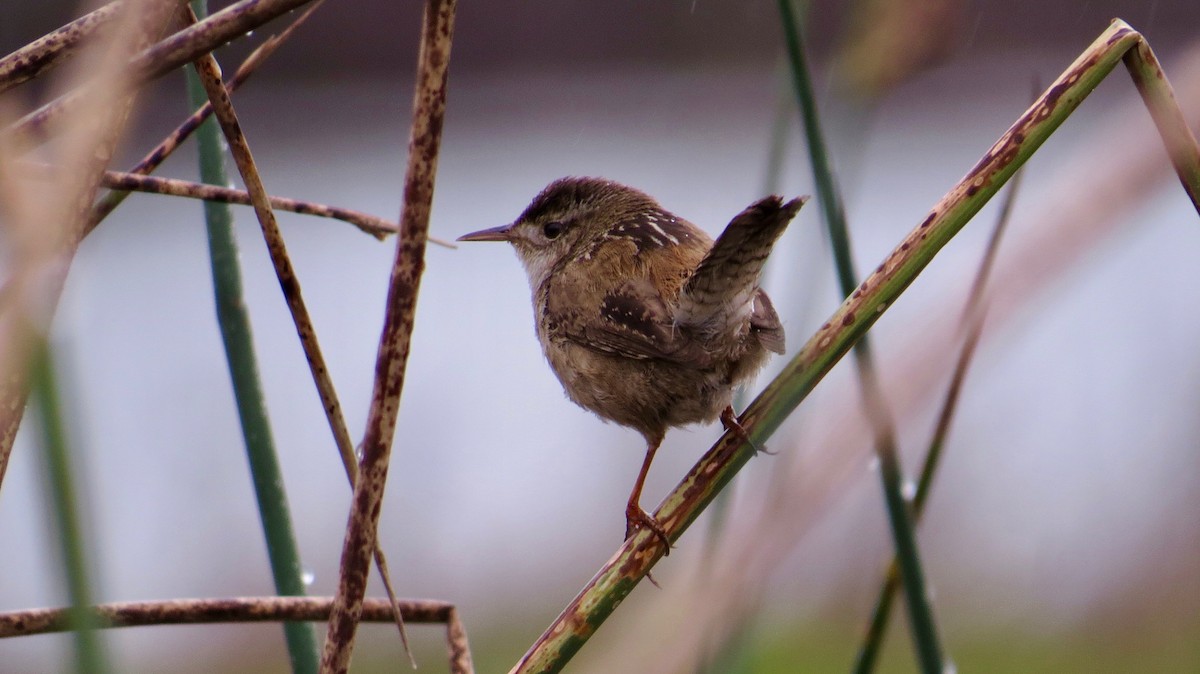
x=644 y=319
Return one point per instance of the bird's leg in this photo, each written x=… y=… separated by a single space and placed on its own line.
x=730 y=422
x=634 y=515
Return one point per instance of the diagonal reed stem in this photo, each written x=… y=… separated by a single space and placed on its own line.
x=1177 y=137
x=391 y=361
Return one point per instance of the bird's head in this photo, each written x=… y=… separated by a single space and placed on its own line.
x=570 y=217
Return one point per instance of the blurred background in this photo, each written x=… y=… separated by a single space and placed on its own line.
x=1061 y=534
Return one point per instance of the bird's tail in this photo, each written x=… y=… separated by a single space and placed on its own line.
x=719 y=296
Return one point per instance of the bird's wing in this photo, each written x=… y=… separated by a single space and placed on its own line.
x=723 y=291
x=631 y=321
x=764 y=323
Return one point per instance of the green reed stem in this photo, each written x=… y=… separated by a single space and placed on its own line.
x=924 y=629
x=234 y=321
x=90 y=655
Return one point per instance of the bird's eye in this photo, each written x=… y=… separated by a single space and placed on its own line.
x=553 y=229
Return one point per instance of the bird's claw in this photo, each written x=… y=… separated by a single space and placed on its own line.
x=730 y=422
x=636 y=518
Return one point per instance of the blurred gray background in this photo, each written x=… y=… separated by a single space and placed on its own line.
x=1061 y=535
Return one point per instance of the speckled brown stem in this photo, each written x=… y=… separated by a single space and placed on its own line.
x=289 y=283
x=180 y=48
x=218 y=95
x=245 y=609
x=135 y=182
x=230 y=610
x=156 y=156
x=429 y=109
x=47 y=51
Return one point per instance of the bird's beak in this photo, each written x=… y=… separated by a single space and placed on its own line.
x=501 y=233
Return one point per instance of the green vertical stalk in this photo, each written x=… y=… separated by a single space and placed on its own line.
x=972 y=321
x=234 y=321
x=924 y=629
x=90 y=653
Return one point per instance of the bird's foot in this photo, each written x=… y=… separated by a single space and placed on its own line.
x=730 y=422
x=636 y=518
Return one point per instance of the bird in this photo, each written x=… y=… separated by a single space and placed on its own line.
x=645 y=320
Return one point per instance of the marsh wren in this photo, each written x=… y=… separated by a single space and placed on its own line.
x=644 y=319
